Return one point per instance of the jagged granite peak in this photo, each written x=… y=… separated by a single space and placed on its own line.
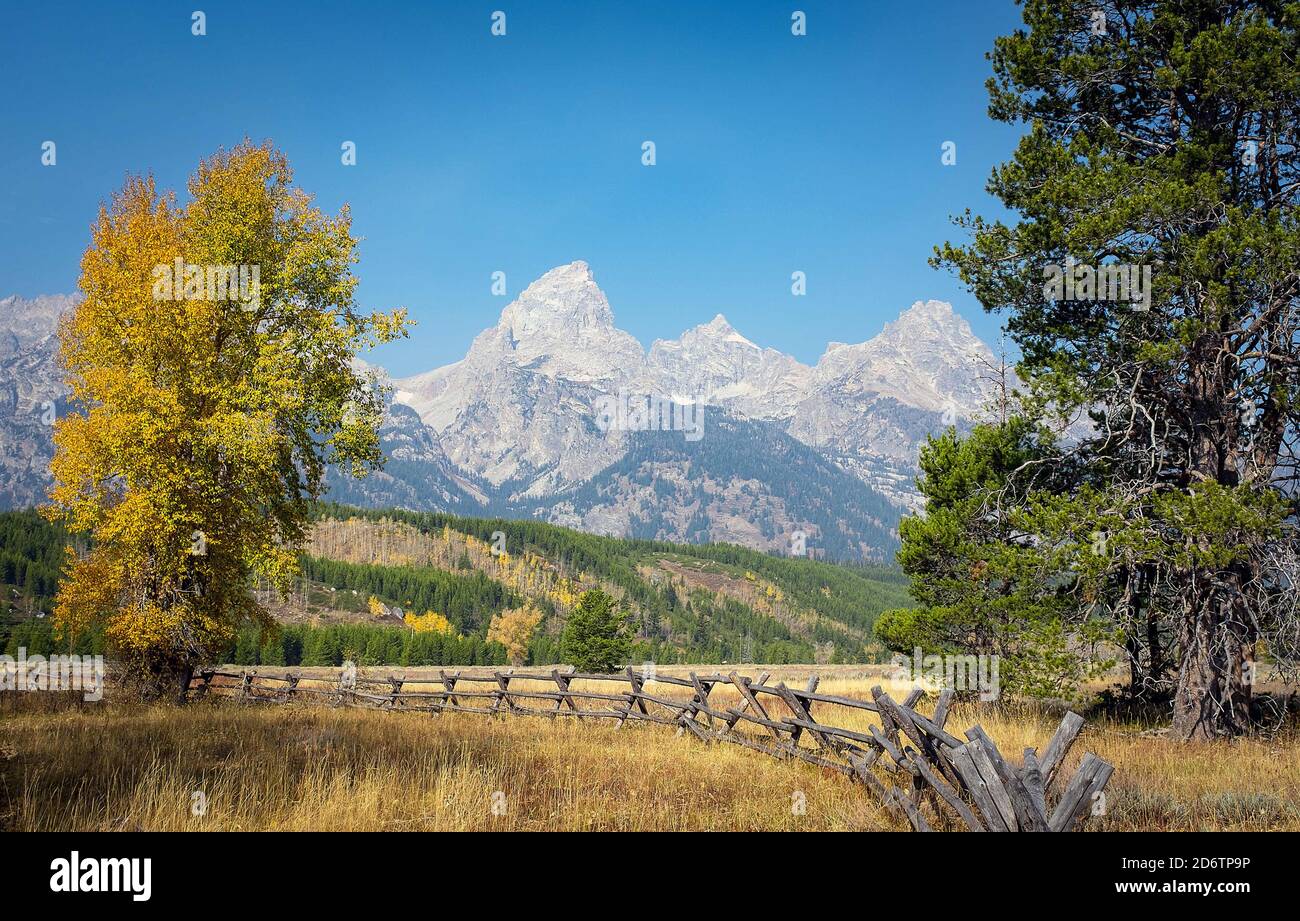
x=871 y=406
x=929 y=358
x=720 y=327
x=519 y=407
x=562 y=326
x=715 y=363
x=567 y=294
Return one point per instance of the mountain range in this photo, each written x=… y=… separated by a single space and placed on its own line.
x=557 y=414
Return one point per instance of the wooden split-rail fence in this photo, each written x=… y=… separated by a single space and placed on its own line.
x=909 y=761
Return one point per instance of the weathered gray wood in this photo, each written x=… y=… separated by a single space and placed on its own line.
x=701 y=700
x=562 y=681
x=802 y=718
x=993 y=783
x=906 y=719
x=891 y=797
x=395 y=685
x=934 y=729
x=941 y=708
x=834 y=730
x=696 y=729
x=745 y=704
x=1029 y=816
x=913 y=812
x=1032 y=816
x=852 y=702
x=1100 y=777
x=677 y=706
x=637 y=684
x=742 y=685
x=947 y=794
x=630 y=698
x=887 y=724
x=1091 y=777
x=862 y=768
x=1075 y=790
x=1033 y=778
x=449 y=682
x=735 y=715
x=898 y=717
x=1056 y=750
x=288 y=693
x=503 y=695
x=976 y=788
x=888 y=745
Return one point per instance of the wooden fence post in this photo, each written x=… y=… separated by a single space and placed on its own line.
x=449 y=682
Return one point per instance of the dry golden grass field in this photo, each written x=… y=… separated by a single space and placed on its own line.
x=69 y=765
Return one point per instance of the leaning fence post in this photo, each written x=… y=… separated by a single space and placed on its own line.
x=503 y=691
x=631 y=697
x=449 y=682
x=701 y=700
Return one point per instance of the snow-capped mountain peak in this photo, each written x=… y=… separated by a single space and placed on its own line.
x=561 y=326
x=713 y=362
x=928 y=358
x=565 y=299
x=935 y=325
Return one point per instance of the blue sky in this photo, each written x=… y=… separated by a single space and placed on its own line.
x=478 y=153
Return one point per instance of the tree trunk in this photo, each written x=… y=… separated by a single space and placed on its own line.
x=1217 y=633
x=186 y=673
x=1156 y=667
x=1212 y=699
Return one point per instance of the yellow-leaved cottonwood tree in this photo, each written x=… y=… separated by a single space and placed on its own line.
x=513 y=628
x=211 y=363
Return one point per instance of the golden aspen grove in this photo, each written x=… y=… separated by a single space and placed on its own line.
x=205 y=415
x=513 y=628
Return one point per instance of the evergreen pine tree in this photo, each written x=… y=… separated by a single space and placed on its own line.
x=595 y=637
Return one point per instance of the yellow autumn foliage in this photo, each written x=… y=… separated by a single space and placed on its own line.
x=513 y=628
x=205 y=414
x=428 y=622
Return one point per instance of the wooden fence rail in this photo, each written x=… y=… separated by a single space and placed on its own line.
x=909 y=761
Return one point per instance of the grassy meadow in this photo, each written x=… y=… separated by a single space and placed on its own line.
x=70 y=765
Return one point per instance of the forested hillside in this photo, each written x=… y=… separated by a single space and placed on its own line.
x=698 y=603
x=410 y=588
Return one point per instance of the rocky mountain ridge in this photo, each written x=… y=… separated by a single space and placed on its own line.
x=788 y=454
